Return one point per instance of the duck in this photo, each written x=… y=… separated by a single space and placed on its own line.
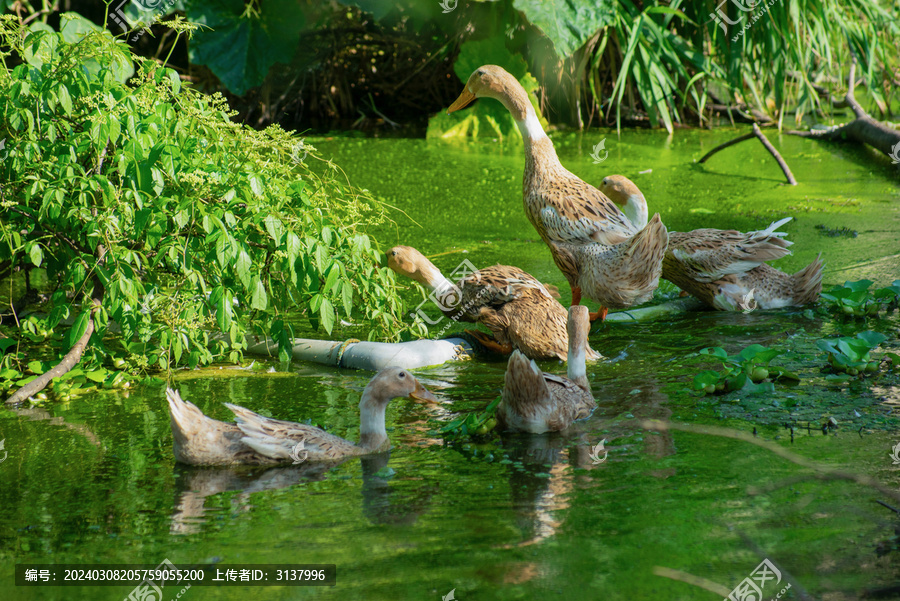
x=257 y=440
x=592 y=242
x=725 y=269
x=521 y=312
x=535 y=401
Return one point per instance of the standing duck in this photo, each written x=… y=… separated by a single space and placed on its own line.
x=535 y=401
x=592 y=242
x=518 y=310
x=258 y=440
x=726 y=269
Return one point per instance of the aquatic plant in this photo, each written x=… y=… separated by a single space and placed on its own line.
x=473 y=422
x=748 y=370
x=848 y=357
x=855 y=299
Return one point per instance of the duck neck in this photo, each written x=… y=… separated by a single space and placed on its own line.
x=372 y=434
x=576 y=367
x=636 y=210
x=539 y=151
x=429 y=275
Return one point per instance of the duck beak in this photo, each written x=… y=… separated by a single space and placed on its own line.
x=464 y=99
x=422 y=394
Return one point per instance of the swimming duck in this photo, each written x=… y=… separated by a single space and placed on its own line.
x=535 y=401
x=258 y=440
x=520 y=312
x=620 y=269
x=726 y=269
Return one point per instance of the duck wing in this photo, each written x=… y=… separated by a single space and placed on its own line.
x=573 y=211
x=707 y=255
x=277 y=439
x=499 y=284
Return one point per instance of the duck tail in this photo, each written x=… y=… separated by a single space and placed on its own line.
x=524 y=385
x=807 y=283
x=768 y=244
x=645 y=250
x=192 y=431
x=186 y=417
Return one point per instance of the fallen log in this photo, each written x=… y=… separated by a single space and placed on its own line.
x=863 y=130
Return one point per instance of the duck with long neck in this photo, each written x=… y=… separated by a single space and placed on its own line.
x=535 y=401
x=258 y=440
x=567 y=211
x=726 y=269
x=519 y=311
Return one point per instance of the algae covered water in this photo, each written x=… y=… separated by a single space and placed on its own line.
x=519 y=517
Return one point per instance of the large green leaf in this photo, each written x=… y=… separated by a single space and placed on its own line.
x=568 y=23
x=241 y=48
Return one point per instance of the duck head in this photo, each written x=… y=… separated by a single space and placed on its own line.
x=393 y=382
x=491 y=81
x=627 y=197
x=389 y=383
x=407 y=261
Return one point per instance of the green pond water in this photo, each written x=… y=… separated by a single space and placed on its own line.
x=515 y=517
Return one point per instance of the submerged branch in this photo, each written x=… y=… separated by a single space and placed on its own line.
x=756 y=133
x=823 y=472
x=708 y=585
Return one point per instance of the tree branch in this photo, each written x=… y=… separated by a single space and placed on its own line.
x=756 y=133
x=68 y=362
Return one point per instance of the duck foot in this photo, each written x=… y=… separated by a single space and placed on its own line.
x=489 y=343
x=598 y=315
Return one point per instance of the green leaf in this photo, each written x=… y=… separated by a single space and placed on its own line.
x=259 y=300
x=240 y=47
x=568 y=24
x=326 y=313
x=242 y=267
x=97 y=376
x=36 y=255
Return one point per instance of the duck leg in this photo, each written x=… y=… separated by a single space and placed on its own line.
x=576 y=296
x=576 y=300
x=489 y=343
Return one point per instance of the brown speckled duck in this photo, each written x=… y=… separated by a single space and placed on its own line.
x=601 y=253
x=535 y=401
x=258 y=440
x=518 y=310
x=726 y=269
